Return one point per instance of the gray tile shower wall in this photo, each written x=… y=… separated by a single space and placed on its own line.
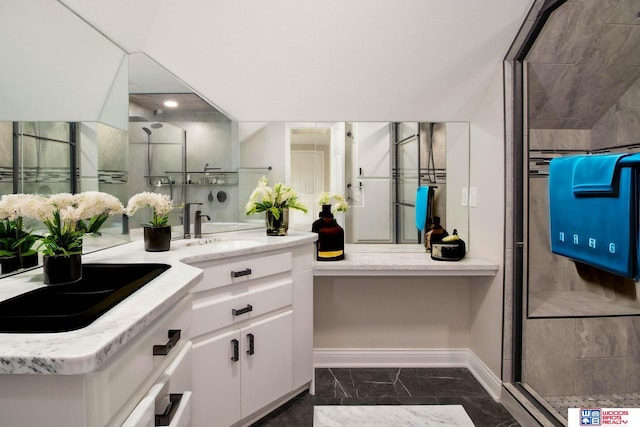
x=583 y=356
x=633 y=354
x=620 y=125
x=549 y=355
x=601 y=337
x=582 y=63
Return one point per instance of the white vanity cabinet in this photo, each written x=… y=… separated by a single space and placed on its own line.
x=252 y=335
x=156 y=362
x=239 y=372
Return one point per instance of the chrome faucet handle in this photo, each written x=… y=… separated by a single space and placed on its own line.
x=197 y=226
x=186 y=222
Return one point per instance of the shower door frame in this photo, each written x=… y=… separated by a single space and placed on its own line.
x=17 y=173
x=397 y=174
x=519 y=222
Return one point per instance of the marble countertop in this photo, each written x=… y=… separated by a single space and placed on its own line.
x=400 y=260
x=84 y=350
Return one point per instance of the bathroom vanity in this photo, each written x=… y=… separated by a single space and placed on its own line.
x=167 y=354
x=226 y=334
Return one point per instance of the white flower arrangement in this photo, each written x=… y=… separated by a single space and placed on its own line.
x=265 y=198
x=15 y=240
x=14 y=206
x=338 y=202
x=160 y=204
x=94 y=206
x=67 y=217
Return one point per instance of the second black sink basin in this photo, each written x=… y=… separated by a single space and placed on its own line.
x=73 y=306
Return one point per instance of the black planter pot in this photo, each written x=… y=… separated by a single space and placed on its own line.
x=9 y=264
x=29 y=260
x=60 y=269
x=157 y=239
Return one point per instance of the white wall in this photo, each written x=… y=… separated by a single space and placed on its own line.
x=457 y=152
x=487 y=222
x=391 y=312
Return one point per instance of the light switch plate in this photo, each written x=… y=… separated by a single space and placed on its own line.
x=465 y=196
x=473 y=197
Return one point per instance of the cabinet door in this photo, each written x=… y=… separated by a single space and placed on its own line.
x=216 y=381
x=267 y=362
x=303 y=323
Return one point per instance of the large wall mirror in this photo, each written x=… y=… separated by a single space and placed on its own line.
x=186 y=148
x=196 y=154
x=63 y=101
x=377 y=166
x=111 y=121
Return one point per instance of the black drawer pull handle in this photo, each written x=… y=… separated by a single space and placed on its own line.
x=245 y=272
x=163 y=350
x=236 y=350
x=239 y=311
x=252 y=349
x=166 y=417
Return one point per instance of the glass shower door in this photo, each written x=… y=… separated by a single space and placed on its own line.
x=407 y=180
x=46 y=157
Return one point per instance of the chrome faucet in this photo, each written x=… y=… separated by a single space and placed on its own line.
x=186 y=220
x=197 y=223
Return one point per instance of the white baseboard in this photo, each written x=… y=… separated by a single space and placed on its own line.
x=490 y=381
x=409 y=358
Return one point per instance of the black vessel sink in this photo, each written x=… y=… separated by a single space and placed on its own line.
x=73 y=306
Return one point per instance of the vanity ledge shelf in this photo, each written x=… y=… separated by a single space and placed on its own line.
x=400 y=260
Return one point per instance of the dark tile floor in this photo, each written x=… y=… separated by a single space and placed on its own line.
x=393 y=386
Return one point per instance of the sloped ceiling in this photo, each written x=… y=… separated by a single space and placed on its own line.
x=295 y=60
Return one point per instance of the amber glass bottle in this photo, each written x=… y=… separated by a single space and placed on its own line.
x=330 y=244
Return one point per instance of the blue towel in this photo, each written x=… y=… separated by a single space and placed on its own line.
x=599 y=229
x=422 y=204
x=632 y=160
x=596 y=174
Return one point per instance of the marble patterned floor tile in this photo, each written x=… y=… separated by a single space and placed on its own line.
x=334 y=383
x=413 y=386
x=298 y=412
x=405 y=382
x=484 y=411
x=440 y=382
x=391 y=416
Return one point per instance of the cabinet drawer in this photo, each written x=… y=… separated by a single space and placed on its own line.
x=145 y=412
x=215 y=312
x=170 y=390
x=119 y=380
x=217 y=274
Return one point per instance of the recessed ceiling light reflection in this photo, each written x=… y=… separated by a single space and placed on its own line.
x=170 y=104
